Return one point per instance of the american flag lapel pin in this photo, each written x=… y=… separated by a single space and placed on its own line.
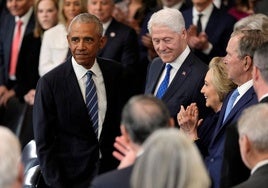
x=183 y=73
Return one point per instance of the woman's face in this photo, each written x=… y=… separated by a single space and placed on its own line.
x=210 y=93
x=71 y=8
x=47 y=14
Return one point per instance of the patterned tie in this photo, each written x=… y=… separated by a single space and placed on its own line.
x=164 y=85
x=230 y=104
x=92 y=101
x=199 y=24
x=15 y=49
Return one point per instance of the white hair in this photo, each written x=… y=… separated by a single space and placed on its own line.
x=171 y=18
x=10 y=151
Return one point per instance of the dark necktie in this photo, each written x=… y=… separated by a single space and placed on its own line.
x=230 y=103
x=92 y=101
x=164 y=84
x=199 y=24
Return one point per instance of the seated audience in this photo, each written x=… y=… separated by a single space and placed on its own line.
x=216 y=86
x=169 y=159
x=253 y=142
x=141 y=116
x=11 y=167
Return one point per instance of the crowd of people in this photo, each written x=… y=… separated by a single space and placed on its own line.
x=134 y=93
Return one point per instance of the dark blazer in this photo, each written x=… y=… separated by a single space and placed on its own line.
x=6 y=37
x=234 y=170
x=257 y=179
x=122 y=44
x=67 y=147
x=27 y=67
x=214 y=160
x=218 y=30
x=184 y=88
x=116 y=178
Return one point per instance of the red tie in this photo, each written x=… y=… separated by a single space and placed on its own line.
x=15 y=50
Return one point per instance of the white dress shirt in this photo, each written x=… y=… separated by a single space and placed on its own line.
x=97 y=77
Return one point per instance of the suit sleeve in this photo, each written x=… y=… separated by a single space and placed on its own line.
x=44 y=122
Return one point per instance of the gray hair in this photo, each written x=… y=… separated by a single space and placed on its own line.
x=171 y=18
x=260 y=60
x=169 y=160
x=249 y=41
x=142 y=115
x=86 y=18
x=253 y=123
x=10 y=151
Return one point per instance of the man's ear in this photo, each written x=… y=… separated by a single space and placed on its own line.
x=124 y=133
x=103 y=41
x=248 y=62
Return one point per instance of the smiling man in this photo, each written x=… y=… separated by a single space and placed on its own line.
x=187 y=72
x=73 y=144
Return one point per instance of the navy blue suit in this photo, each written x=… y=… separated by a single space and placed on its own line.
x=67 y=147
x=214 y=160
x=218 y=30
x=184 y=88
x=116 y=178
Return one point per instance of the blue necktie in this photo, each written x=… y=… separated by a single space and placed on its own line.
x=164 y=85
x=230 y=104
x=92 y=101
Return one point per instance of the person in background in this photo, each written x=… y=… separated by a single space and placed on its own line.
x=76 y=114
x=253 y=143
x=208 y=28
x=177 y=75
x=242 y=9
x=54 y=48
x=11 y=167
x=141 y=116
x=169 y=159
x=216 y=86
x=18 y=23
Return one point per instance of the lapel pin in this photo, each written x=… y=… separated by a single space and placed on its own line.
x=112 y=34
x=183 y=73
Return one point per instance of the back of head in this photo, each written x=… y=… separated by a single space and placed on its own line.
x=220 y=80
x=9 y=157
x=249 y=41
x=169 y=160
x=142 y=115
x=87 y=18
x=253 y=123
x=171 y=18
x=260 y=60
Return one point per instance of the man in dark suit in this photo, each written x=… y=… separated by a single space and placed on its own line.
x=216 y=27
x=252 y=128
x=239 y=63
x=141 y=116
x=73 y=145
x=18 y=11
x=187 y=72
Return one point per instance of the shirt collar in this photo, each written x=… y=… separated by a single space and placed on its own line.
x=206 y=12
x=106 y=25
x=178 y=62
x=26 y=17
x=245 y=87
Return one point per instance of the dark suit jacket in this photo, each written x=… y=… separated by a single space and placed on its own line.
x=257 y=179
x=67 y=147
x=6 y=37
x=122 y=44
x=214 y=160
x=218 y=30
x=234 y=170
x=116 y=178
x=184 y=88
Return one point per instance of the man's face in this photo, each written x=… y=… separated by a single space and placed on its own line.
x=103 y=9
x=85 y=42
x=19 y=7
x=234 y=63
x=167 y=43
